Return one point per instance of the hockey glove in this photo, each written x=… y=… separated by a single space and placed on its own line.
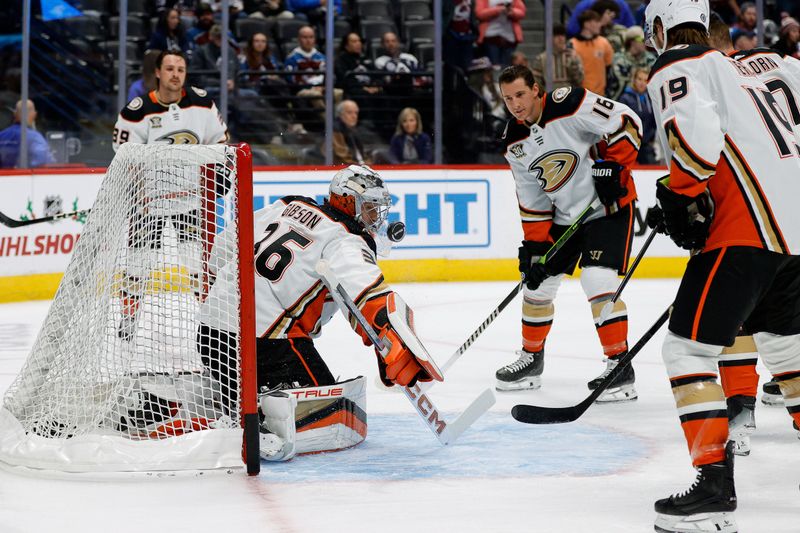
x=533 y=273
x=607 y=176
x=399 y=366
x=686 y=218
x=655 y=218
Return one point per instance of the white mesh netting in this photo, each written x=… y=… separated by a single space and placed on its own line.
x=123 y=376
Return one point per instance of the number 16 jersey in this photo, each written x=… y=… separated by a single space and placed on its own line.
x=725 y=131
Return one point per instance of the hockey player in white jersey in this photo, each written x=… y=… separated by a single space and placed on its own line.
x=171 y=114
x=292 y=304
x=550 y=145
x=731 y=151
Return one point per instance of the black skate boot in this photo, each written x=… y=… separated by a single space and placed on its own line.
x=741 y=422
x=772 y=393
x=707 y=506
x=622 y=389
x=523 y=374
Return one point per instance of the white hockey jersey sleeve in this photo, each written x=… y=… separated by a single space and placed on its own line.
x=129 y=130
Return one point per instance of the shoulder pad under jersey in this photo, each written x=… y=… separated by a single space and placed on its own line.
x=680 y=53
x=562 y=102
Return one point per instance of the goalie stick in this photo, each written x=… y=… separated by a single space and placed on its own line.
x=534 y=414
x=609 y=306
x=560 y=242
x=445 y=431
x=12 y=223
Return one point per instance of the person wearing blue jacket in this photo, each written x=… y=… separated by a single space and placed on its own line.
x=635 y=96
x=38 y=150
x=410 y=144
x=625 y=17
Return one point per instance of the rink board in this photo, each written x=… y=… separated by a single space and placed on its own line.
x=462 y=223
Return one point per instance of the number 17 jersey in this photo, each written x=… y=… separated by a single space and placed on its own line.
x=725 y=131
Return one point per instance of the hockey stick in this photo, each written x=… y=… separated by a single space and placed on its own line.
x=534 y=414
x=12 y=223
x=609 y=306
x=560 y=242
x=445 y=431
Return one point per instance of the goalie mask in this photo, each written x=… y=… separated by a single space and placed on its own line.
x=359 y=192
x=672 y=13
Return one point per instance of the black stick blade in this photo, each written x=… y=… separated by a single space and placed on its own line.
x=534 y=414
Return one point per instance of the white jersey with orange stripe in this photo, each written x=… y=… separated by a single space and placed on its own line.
x=551 y=160
x=723 y=130
x=292 y=235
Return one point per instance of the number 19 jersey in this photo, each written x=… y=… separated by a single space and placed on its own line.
x=724 y=130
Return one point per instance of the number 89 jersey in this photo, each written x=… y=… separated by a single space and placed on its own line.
x=291 y=236
x=724 y=130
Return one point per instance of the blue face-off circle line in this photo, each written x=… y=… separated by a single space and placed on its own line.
x=400 y=448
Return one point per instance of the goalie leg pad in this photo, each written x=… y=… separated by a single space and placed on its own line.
x=401 y=318
x=325 y=419
x=277 y=431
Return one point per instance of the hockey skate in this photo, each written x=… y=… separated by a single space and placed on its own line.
x=127 y=327
x=741 y=422
x=622 y=390
x=523 y=374
x=771 y=393
x=707 y=506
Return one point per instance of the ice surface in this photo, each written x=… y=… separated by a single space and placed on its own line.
x=600 y=474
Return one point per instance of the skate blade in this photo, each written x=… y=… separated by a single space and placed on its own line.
x=772 y=399
x=625 y=393
x=741 y=445
x=696 y=523
x=529 y=383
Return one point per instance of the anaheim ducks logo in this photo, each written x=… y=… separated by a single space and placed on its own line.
x=179 y=137
x=554 y=169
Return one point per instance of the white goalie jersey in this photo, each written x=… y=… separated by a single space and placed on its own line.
x=292 y=236
x=724 y=130
x=551 y=160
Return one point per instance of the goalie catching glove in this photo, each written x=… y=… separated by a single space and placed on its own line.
x=607 y=176
x=686 y=219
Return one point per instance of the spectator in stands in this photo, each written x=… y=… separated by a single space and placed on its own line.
x=147 y=82
x=567 y=65
x=306 y=57
x=728 y=10
x=595 y=52
x=269 y=9
x=613 y=32
x=744 y=39
x=410 y=144
x=624 y=18
x=624 y=63
x=499 y=29
x=635 y=96
x=394 y=59
x=519 y=58
x=198 y=33
x=349 y=61
x=313 y=10
x=460 y=30
x=789 y=38
x=259 y=57
x=481 y=80
x=170 y=33
x=209 y=57
x=747 y=19
x=38 y=150
x=347 y=146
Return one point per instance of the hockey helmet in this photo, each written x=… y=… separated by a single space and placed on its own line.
x=672 y=13
x=359 y=192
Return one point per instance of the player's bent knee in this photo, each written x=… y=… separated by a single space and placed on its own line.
x=314 y=419
x=599 y=281
x=683 y=357
x=781 y=353
x=546 y=292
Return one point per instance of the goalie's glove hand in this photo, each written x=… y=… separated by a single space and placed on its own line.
x=399 y=366
x=533 y=272
x=607 y=176
x=686 y=218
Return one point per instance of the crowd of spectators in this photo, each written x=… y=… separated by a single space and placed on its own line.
x=600 y=47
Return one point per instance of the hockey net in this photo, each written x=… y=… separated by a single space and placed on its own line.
x=124 y=376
